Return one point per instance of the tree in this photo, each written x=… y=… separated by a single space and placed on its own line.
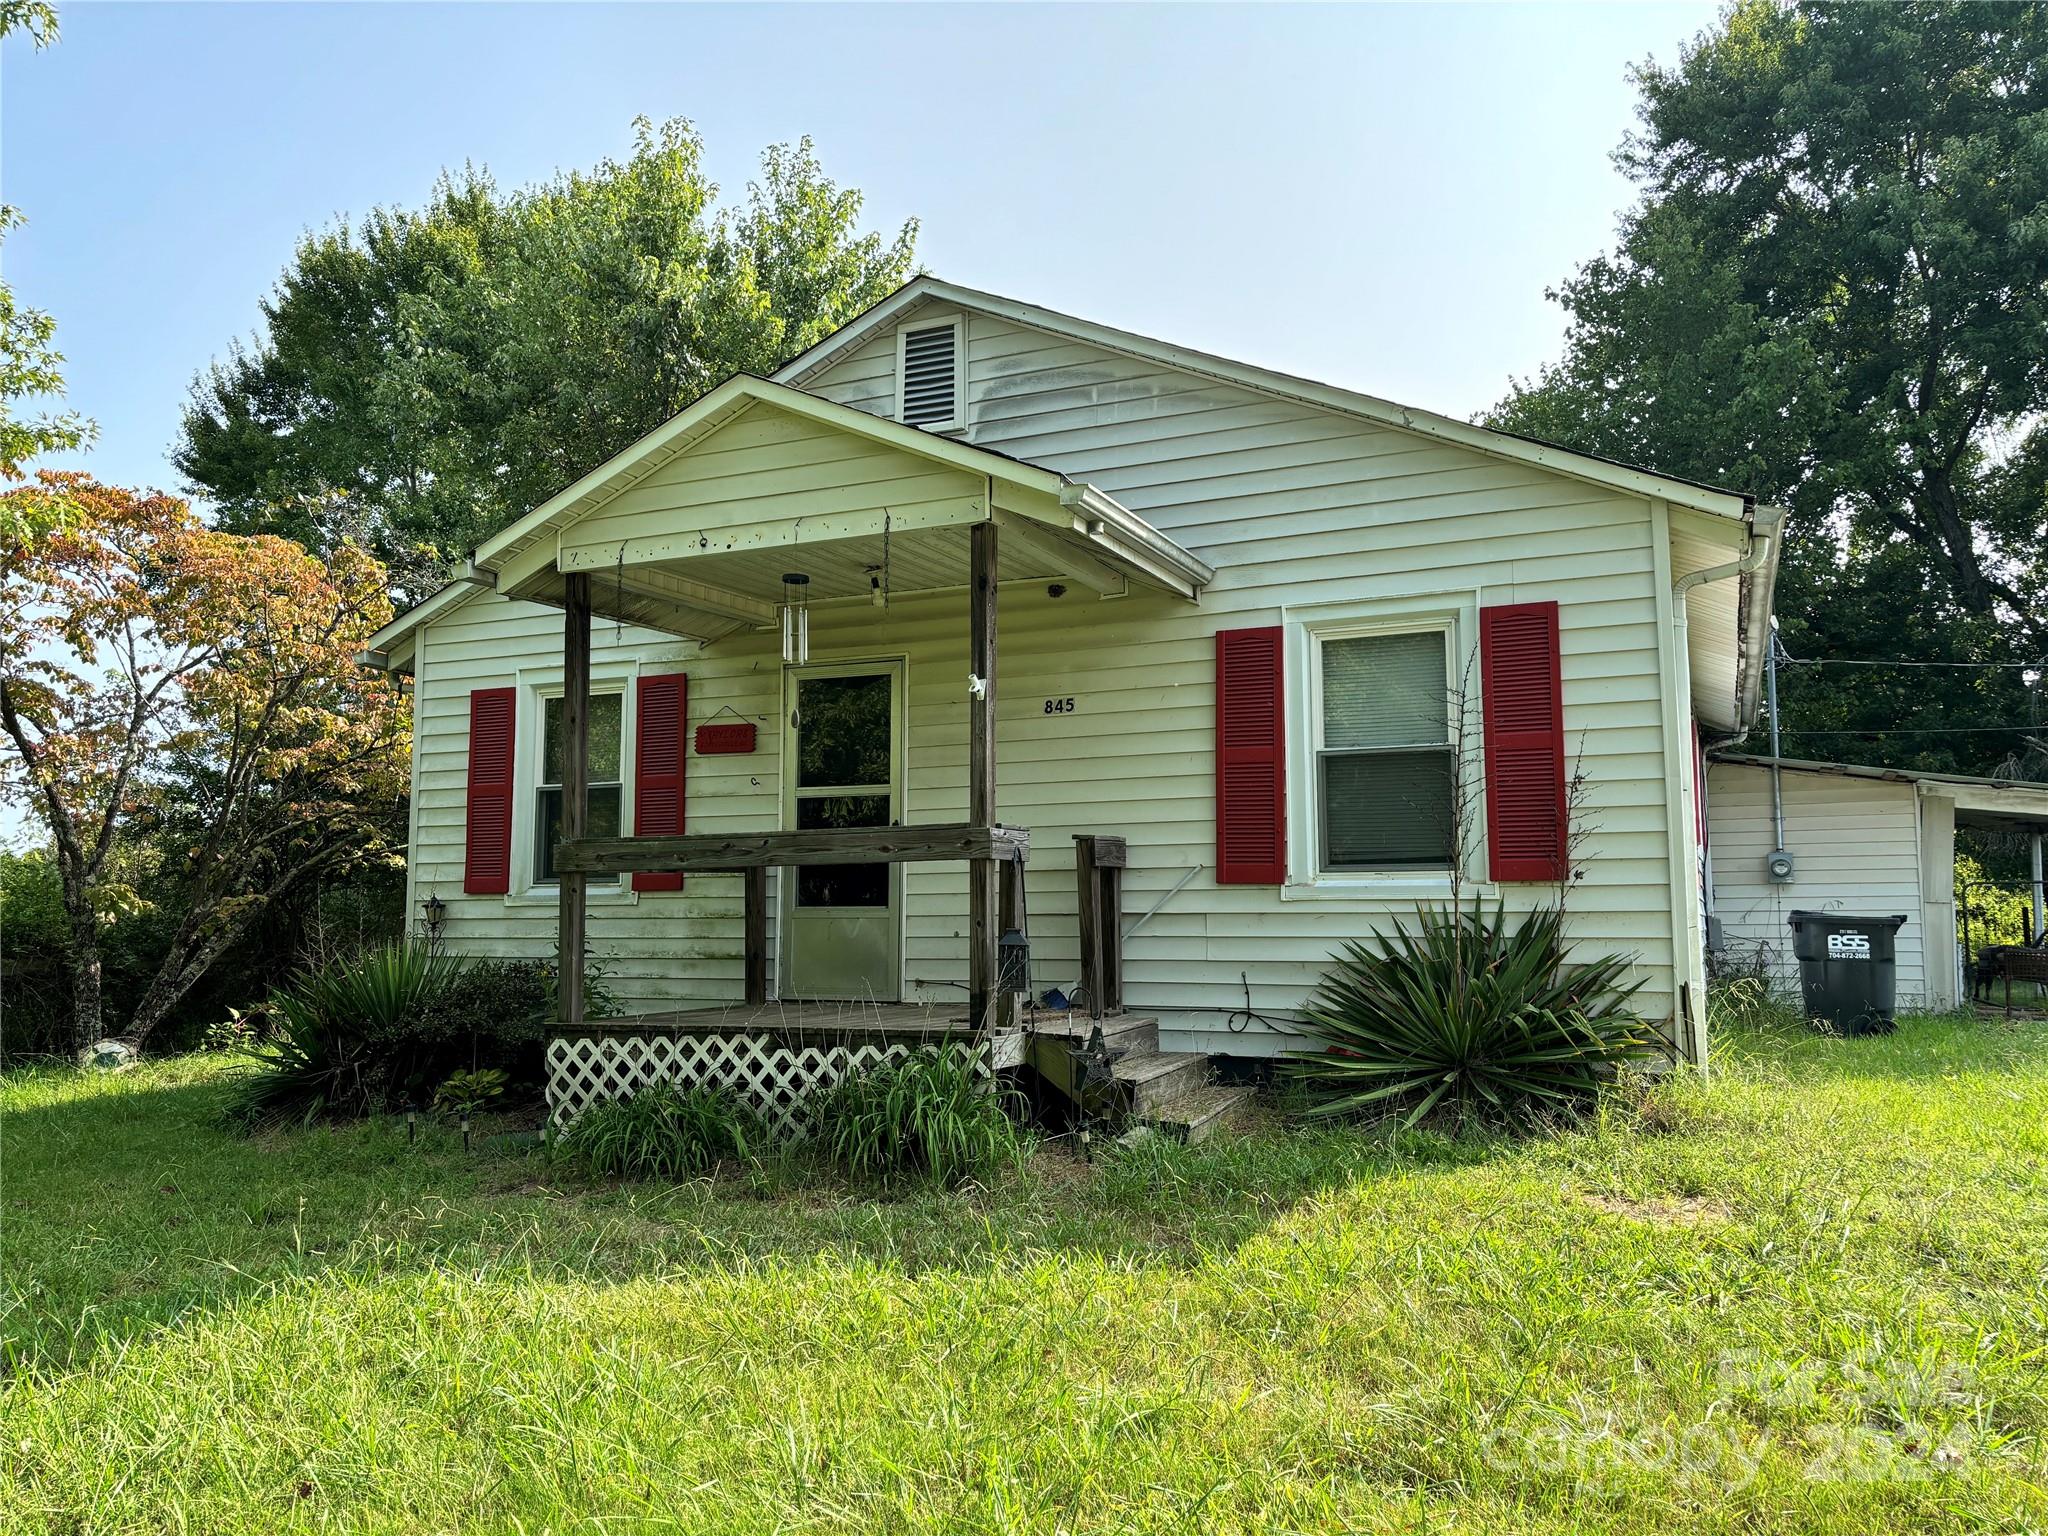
x=30 y=364
x=162 y=678
x=429 y=375
x=1834 y=295
x=37 y=18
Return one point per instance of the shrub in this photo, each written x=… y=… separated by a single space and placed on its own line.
x=464 y=1093
x=930 y=1116
x=664 y=1132
x=345 y=1036
x=311 y=1067
x=35 y=942
x=1471 y=1016
x=495 y=1013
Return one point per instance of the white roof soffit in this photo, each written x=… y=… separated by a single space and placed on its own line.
x=1579 y=466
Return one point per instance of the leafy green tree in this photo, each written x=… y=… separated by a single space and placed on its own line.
x=31 y=367
x=428 y=375
x=1834 y=294
x=35 y=17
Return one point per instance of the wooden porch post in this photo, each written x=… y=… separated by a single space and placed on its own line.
x=756 y=880
x=575 y=783
x=981 y=774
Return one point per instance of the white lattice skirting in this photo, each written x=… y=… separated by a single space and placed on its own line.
x=775 y=1078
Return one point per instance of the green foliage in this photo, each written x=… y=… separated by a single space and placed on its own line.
x=239 y=1029
x=313 y=1066
x=599 y=1000
x=1748 y=1003
x=35 y=944
x=1999 y=914
x=38 y=18
x=463 y=1093
x=929 y=1117
x=430 y=374
x=1805 y=1299
x=346 y=1037
x=664 y=1132
x=496 y=1012
x=1831 y=297
x=1471 y=1014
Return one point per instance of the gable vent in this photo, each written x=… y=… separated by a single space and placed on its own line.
x=931 y=376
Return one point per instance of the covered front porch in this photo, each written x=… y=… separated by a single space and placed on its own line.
x=733 y=527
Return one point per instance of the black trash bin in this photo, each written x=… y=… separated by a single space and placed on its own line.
x=1848 y=969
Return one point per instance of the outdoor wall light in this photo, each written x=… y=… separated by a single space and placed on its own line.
x=434 y=914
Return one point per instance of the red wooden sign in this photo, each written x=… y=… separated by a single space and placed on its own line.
x=725 y=736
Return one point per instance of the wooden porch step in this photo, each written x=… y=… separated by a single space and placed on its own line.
x=1130 y=1033
x=1152 y=1078
x=1192 y=1116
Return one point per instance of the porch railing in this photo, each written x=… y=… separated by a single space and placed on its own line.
x=753 y=854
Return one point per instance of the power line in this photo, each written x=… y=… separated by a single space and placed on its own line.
x=1822 y=661
x=1917 y=730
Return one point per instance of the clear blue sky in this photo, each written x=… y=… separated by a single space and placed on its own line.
x=1373 y=195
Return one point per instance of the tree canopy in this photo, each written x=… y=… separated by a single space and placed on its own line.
x=31 y=367
x=1833 y=294
x=429 y=374
x=167 y=682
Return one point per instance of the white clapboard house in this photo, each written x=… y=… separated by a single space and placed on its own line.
x=979 y=623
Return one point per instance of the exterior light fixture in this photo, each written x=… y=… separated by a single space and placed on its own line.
x=434 y=916
x=1013 y=962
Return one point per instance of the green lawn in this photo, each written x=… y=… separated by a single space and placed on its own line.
x=1809 y=1296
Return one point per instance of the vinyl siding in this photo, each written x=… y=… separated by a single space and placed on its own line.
x=1300 y=510
x=1855 y=845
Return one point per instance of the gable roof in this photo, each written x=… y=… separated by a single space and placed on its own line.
x=1121 y=535
x=1609 y=473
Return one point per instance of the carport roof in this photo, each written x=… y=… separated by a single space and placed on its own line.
x=1989 y=804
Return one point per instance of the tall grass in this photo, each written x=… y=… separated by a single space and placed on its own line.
x=931 y=1116
x=665 y=1131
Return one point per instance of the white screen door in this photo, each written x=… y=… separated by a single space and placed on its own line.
x=842 y=934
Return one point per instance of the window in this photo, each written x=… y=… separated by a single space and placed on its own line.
x=928 y=376
x=607 y=737
x=844 y=746
x=1386 y=764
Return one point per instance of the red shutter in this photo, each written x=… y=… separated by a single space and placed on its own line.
x=1251 y=759
x=487 y=857
x=1521 y=677
x=659 y=741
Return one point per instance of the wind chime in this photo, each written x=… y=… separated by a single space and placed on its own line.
x=796 y=619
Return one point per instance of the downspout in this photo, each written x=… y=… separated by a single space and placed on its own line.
x=1754 y=554
x=1777 y=782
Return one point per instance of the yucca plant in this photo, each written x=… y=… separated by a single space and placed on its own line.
x=343 y=1036
x=666 y=1131
x=929 y=1116
x=1470 y=1015
x=310 y=1068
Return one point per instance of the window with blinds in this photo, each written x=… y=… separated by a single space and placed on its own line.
x=1386 y=770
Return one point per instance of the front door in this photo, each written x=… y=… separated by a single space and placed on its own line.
x=841 y=934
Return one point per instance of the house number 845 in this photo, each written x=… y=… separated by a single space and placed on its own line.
x=1060 y=706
